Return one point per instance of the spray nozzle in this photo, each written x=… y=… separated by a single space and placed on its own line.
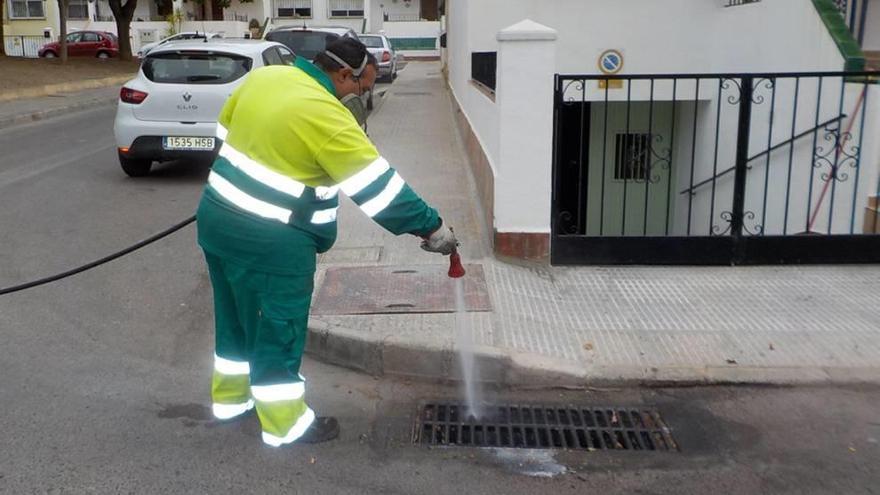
x=456 y=270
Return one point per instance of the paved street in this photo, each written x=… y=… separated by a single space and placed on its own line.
x=106 y=374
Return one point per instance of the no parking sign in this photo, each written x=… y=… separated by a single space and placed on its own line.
x=610 y=63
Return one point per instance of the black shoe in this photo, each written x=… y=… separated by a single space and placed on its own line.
x=321 y=430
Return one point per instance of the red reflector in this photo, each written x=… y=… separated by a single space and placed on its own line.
x=386 y=57
x=132 y=96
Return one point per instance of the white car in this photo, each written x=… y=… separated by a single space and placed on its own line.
x=169 y=110
x=184 y=36
x=385 y=54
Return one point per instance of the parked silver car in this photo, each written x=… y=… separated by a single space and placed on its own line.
x=184 y=36
x=381 y=48
x=169 y=110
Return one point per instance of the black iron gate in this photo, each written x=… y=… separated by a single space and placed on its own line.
x=716 y=169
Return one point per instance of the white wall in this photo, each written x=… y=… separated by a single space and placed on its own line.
x=321 y=17
x=400 y=7
x=253 y=10
x=416 y=29
x=481 y=112
x=375 y=15
x=872 y=26
x=669 y=36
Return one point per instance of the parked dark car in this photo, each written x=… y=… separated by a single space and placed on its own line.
x=99 y=44
x=306 y=41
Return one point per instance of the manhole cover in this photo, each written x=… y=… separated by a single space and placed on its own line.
x=396 y=289
x=544 y=427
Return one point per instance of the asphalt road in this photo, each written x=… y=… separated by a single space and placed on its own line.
x=105 y=376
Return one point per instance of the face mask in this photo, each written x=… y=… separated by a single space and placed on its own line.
x=355 y=105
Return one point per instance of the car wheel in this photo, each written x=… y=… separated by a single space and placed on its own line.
x=103 y=55
x=135 y=167
x=49 y=55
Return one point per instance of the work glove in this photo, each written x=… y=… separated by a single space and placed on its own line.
x=442 y=241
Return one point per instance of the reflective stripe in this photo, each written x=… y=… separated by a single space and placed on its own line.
x=324 y=216
x=247 y=202
x=221 y=131
x=275 y=393
x=375 y=206
x=229 y=367
x=260 y=173
x=322 y=192
x=302 y=424
x=357 y=182
x=226 y=411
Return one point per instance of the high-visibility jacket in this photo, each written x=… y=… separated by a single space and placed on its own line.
x=289 y=147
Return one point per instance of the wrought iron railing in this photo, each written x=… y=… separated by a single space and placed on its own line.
x=641 y=167
x=787 y=142
x=484 y=68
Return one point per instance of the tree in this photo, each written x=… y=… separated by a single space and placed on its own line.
x=62 y=27
x=123 y=13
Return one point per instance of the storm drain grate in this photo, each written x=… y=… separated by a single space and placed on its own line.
x=544 y=427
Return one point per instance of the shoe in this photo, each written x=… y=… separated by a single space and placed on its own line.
x=321 y=430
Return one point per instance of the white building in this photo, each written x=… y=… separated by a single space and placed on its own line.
x=648 y=158
x=412 y=25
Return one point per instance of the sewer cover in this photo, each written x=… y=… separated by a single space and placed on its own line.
x=396 y=289
x=544 y=427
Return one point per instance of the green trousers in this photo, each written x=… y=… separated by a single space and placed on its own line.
x=261 y=326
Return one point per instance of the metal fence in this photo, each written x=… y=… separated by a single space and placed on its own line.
x=24 y=46
x=716 y=169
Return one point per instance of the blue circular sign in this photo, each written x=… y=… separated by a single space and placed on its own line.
x=610 y=62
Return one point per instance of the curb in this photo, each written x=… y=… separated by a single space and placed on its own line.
x=64 y=88
x=55 y=112
x=435 y=362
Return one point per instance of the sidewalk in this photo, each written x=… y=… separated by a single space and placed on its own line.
x=588 y=325
x=24 y=110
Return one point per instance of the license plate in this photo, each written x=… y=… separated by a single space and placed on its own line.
x=187 y=143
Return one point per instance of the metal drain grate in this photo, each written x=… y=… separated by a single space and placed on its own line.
x=544 y=427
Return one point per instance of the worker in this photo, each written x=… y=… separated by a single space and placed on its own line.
x=289 y=147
